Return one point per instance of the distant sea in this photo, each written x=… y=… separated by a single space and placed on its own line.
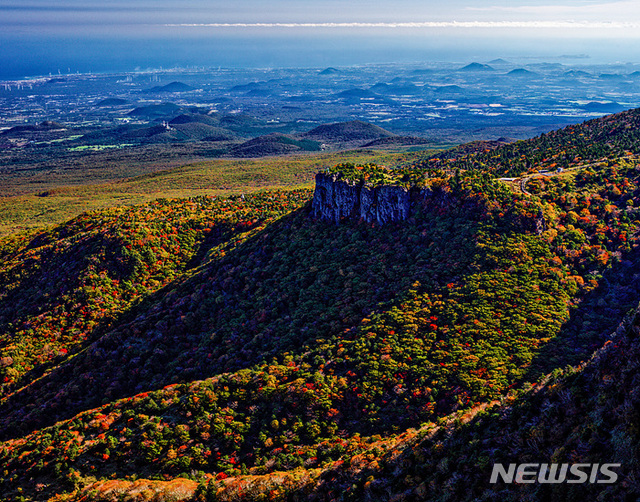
x=34 y=57
x=22 y=56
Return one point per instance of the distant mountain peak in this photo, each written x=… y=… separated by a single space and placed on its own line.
x=499 y=61
x=521 y=72
x=344 y=132
x=172 y=87
x=113 y=102
x=329 y=71
x=477 y=67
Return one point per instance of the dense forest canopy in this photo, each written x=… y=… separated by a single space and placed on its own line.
x=236 y=347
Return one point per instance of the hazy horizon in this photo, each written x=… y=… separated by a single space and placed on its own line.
x=89 y=36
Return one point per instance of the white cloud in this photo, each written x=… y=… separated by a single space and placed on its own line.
x=585 y=25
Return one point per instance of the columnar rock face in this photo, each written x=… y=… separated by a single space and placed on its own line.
x=336 y=199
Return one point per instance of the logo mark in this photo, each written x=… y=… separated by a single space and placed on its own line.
x=555 y=473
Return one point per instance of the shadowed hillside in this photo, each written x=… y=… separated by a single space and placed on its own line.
x=239 y=348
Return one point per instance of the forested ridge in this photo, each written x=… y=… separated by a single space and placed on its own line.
x=609 y=137
x=211 y=348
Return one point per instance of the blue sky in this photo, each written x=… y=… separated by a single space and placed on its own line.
x=41 y=36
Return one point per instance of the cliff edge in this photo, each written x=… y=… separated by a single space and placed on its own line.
x=338 y=197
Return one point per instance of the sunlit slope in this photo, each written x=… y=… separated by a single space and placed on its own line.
x=580 y=415
x=64 y=288
x=601 y=139
x=328 y=347
x=51 y=196
x=268 y=345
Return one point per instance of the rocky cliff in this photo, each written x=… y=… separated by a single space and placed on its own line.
x=336 y=198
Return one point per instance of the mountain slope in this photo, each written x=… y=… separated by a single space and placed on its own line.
x=64 y=286
x=171 y=87
x=596 y=140
x=586 y=414
x=199 y=118
x=281 y=347
x=273 y=144
x=347 y=132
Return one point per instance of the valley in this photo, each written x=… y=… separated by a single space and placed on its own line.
x=215 y=337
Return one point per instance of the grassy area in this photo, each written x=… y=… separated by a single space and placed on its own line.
x=215 y=177
x=97 y=148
